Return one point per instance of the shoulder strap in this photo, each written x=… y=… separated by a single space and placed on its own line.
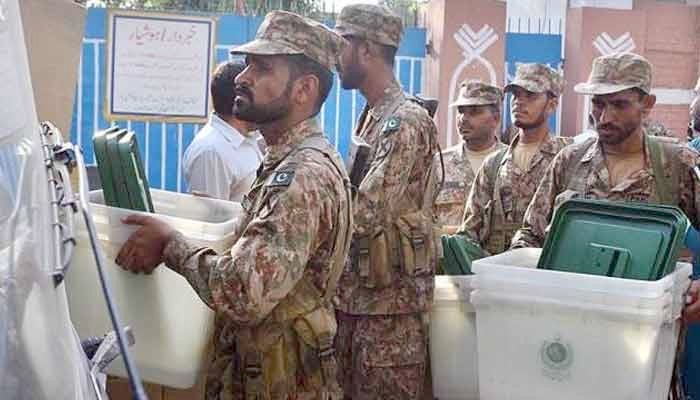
x=341 y=245
x=576 y=158
x=667 y=180
x=492 y=172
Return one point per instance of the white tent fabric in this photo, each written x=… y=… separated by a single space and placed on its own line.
x=40 y=354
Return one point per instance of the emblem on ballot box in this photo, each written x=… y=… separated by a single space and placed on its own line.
x=556 y=357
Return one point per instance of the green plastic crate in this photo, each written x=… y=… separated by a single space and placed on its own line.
x=625 y=240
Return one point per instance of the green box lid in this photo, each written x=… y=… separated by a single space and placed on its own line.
x=458 y=254
x=104 y=167
x=118 y=177
x=134 y=173
x=625 y=240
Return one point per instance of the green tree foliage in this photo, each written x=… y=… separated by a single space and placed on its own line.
x=406 y=9
x=243 y=7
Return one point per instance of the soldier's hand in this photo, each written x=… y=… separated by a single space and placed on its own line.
x=143 y=251
x=691 y=313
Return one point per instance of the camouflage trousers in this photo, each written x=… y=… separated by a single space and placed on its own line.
x=381 y=356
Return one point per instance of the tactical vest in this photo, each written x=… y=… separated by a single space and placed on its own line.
x=662 y=152
x=296 y=338
x=500 y=231
x=406 y=245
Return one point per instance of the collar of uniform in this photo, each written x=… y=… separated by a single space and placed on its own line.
x=511 y=146
x=547 y=147
x=595 y=152
x=592 y=151
x=229 y=133
x=550 y=145
x=388 y=98
x=289 y=140
x=462 y=150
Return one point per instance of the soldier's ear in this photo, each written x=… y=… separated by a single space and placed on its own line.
x=648 y=103
x=365 y=51
x=552 y=103
x=306 y=89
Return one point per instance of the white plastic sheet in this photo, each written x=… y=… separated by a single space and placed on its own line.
x=40 y=354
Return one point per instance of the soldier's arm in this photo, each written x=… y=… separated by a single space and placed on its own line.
x=388 y=175
x=690 y=185
x=690 y=204
x=539 y=211
x=475 y=210
x=269 y=258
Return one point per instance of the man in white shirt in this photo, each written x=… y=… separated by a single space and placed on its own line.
x=223 y=158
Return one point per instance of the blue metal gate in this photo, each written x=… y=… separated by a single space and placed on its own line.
x=163 y=144
x=533 y=40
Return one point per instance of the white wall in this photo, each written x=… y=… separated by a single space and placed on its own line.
x=616 y=4
x=536 y=8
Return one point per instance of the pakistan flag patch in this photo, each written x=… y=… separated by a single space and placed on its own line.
x=281 y=179
x=391 y=125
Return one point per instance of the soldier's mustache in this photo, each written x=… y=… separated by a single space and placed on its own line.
x=243 y=91
x=608 y=127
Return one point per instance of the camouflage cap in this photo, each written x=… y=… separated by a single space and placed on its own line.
x=537 y=78
x=617 y=72
x=285 y=33
x=372 y=22
x=477 y=93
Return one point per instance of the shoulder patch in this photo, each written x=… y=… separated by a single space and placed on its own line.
x=282 y=178
x=391 y=125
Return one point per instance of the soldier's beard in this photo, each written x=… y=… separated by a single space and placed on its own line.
x=613 y=135
x=351 y=76
x=244 y=107
x=541 y=119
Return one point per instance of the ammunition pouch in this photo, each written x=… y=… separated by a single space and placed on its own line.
x=417 y=244
x=410 y=247
x=374 y=260
x=295 y=340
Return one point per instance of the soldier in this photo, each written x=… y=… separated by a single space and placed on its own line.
x=272 y=291
x=478 y=118
x=387 y=286
x=622 y=163
x=508 y=179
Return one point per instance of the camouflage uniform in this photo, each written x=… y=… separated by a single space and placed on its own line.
x=274 y=318
x=459 y=174
x=502 y=191
x=387 y=285
x=656 y=128
x=580 y=170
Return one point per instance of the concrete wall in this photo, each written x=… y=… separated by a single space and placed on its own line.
x=665 y=33
x=449 y=63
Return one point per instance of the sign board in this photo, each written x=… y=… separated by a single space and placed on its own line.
x=158 y=67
